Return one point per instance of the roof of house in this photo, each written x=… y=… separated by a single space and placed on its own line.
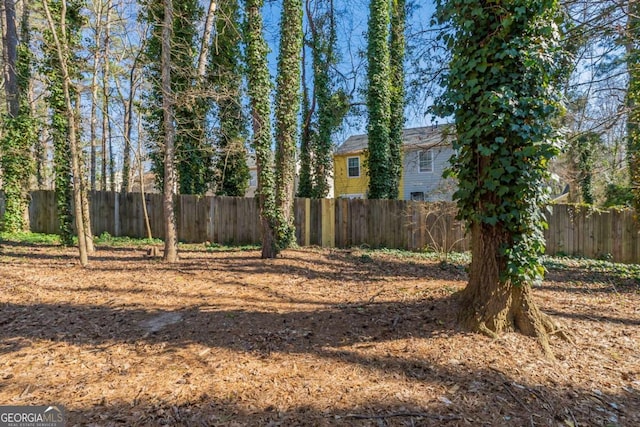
x=422 y=137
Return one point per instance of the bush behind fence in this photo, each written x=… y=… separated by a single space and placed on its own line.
x=340 y=223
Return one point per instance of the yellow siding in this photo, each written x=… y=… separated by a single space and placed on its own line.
x=344 y=185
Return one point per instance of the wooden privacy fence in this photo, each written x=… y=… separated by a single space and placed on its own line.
x=341 y=223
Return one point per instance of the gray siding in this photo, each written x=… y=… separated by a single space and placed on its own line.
x=434 y=187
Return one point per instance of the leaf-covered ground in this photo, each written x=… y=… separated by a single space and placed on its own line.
x=315 y=337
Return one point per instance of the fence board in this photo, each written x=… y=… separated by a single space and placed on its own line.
x=341 y=222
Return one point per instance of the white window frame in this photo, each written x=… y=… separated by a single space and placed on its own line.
x=348 y=168
x=420 y=153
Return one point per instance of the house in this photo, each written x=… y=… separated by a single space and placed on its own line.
x=253 y=176
x=426 y=154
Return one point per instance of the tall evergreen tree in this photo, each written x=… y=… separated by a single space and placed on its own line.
x=259 y=90
x=287 y=110
x=226 y=74
x=378 y=99
x=502 y=90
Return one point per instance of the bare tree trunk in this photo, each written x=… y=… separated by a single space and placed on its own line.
x=62 y=50
x=143 y=198
x=128 y=125
x=128 y=105
x=106 y=117
x=84 y=191
x=206 y=39
x=171 y=233
x=86 y=217
x=94 y=98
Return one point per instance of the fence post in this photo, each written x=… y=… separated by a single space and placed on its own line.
x=328 y=223
x=212 y=220
x=116 y=214
x=307 y=222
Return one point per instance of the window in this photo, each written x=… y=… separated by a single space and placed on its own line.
x=426 y=161
x=253 y=178
x=353 y=167
x=417 y=196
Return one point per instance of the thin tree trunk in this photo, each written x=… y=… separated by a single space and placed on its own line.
x=84 y=191
x=128 y=125
x=62 y=49
x=127 y=103
x=145 y=213
x=171 y=233
x=86 y=217
x=106 y=119
x=41 y=160
x=206 y=39
x=94 y=99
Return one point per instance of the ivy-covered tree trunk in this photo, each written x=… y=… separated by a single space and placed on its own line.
x=259 y=89
x=378 y=100
x=287 y=110
x=396 y=125
x=19 y=135
x=502 y=89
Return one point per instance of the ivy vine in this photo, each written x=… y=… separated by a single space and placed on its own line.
x=502 y=92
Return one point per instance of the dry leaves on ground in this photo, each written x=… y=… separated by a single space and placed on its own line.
x=315 y=337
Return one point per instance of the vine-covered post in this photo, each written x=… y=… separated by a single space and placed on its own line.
x=502 y=91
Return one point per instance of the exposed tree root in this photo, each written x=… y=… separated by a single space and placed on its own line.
x=511 y=309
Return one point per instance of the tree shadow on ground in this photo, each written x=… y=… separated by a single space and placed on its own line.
x=491 y=396
x=584 y=280
x=331 y=330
